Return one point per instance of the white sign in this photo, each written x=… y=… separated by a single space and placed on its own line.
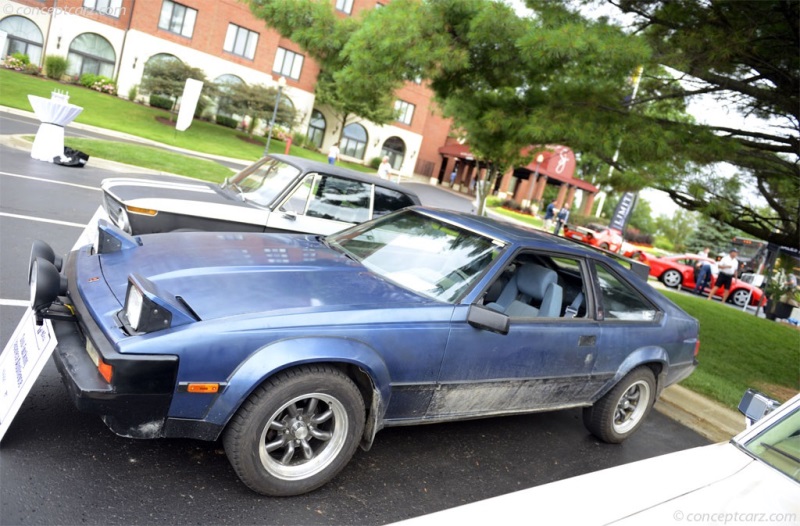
x=22 y=360
x=191 y=94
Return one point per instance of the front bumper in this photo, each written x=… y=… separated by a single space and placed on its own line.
x=136 y=401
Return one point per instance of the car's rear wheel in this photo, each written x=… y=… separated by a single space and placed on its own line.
x=296 y=431
x=604 y=245
x=740 y=297
x=672 y=278
x=621 y=411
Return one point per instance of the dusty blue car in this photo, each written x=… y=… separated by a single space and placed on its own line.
x=294 y=349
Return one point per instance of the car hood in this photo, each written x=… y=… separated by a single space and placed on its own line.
x=680 y=487
x=190 y=198
x=228 y=274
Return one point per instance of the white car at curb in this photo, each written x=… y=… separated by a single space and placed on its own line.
x=752 y=479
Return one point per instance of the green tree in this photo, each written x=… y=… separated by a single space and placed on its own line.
x=257 y=101
x=323 y=35
x=168 y=78
x=678 y=229
x=744 y=54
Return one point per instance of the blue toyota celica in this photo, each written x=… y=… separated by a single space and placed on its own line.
x=295 y=349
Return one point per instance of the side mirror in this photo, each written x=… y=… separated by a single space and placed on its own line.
x=755 y=406
x=487 y=319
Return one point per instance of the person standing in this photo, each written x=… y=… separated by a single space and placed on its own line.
x=383 y=168
x=333 y=154
x=561 y=218
x=549 y=214
x=728 y=266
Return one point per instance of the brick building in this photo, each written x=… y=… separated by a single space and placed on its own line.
x=117 y=38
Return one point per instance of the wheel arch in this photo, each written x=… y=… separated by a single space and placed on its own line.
x=356 y=360
x=654 y=358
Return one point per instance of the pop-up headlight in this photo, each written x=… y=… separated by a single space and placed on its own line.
x=112 y=239
x=149 y=309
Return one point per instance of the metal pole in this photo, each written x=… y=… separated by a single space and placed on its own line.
x=272 y=122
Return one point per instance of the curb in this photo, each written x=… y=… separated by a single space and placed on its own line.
x=706 y=417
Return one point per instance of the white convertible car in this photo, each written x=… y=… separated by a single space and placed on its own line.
x=753 y=479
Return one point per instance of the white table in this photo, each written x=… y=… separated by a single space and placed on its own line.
x=54 y=115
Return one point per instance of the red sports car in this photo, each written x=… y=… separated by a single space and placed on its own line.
x=679 y=271
x=596 y=235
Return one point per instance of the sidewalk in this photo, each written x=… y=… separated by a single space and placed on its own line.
x=706 y=417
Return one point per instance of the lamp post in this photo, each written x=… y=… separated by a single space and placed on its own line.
x=539 y=160
x=281 y=85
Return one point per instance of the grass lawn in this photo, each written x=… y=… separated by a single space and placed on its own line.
x=738 y=350
x=525 y=218
x=152 y=158
x=121 y=115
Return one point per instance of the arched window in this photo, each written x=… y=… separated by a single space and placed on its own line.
x=395 y=149
x=354 y=141
x=23 y=37
x=316 y=128
x=225 y=86
x=91 y=53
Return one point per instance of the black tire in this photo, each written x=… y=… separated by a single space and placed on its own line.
x=296 y=431
x=672 y=278
x=620 y=412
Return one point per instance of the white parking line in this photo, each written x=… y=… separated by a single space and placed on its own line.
x=51 y=181
x=51 y=221
x=14 y=303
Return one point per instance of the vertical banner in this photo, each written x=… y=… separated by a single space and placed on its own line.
x=191 y=94
x=20 y=364
x=623 y=211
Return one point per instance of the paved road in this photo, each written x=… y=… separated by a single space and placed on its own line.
x=58 y=466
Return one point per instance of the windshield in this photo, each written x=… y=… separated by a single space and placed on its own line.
x=779 y=445
x=433 y=258
x=262 y=182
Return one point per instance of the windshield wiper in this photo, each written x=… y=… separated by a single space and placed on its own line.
x=780 y=451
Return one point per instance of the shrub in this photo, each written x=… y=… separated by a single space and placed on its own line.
x=22 y=57
x=132 y=92
x=375 y=162
x=55 y=66
x=12 y=62
x=228 y=122
x=157 y=101
x=98 y=83
x=299 y=139
x=32 y=69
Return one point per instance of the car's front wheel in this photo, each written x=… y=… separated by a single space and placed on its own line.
x=672 y=278
x=296 y=431
x=740 y=297
x=621 y=411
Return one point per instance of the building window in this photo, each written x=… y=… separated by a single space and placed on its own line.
x=241 y=41
x=226 y=86
x=107 y=7
x=288 y=63
x=316 y=128
x=177 y=18
x=345 y=6
x=23 y=37
x=91 y=53
x=354 y=141
x=395 y=149
x=404 y=111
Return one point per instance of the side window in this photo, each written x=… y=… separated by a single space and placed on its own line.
x=389 y=200
x=620 y=300
x=340 y=199
x=539 y=286
x=299 y=198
